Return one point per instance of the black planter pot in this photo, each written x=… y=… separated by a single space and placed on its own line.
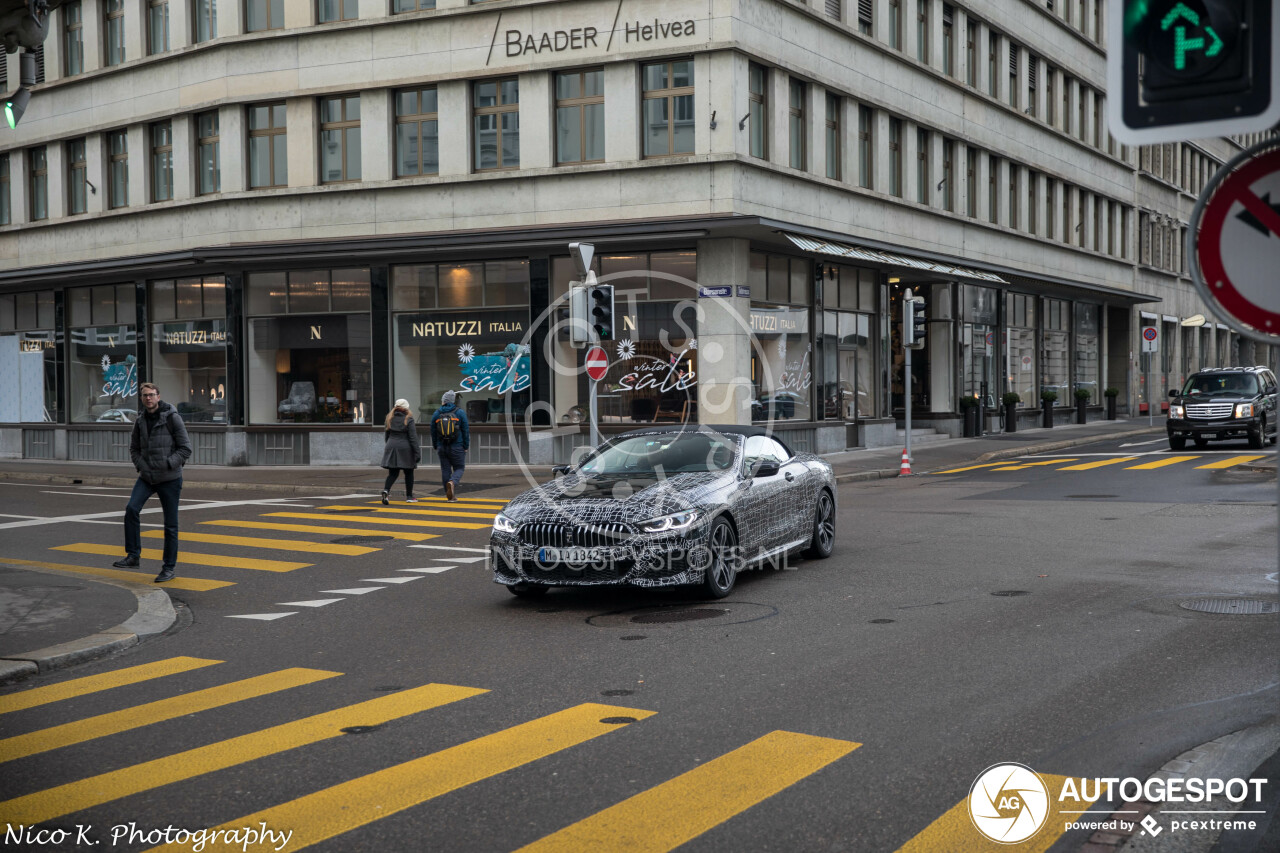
x=1048 y=414
x=971 y=422
x=1011 y=417
x=1080 y=411
x=1111 y=408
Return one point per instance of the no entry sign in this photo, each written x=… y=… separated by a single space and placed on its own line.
x=597 y=363
x=1236 y=228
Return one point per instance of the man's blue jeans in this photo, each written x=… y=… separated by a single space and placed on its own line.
x=168 y=493
x=453 y=459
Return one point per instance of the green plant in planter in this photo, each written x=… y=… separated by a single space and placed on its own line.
x=1048 y=395
x=968 y=402
x=1011 y=398
x=1083 y=393
x=1111 y=392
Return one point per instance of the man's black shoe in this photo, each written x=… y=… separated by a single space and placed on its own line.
x=165 y=575
x=126 y=563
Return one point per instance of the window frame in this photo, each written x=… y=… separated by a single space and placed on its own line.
x=209 y=15
x=203 y=141
x=152 y=6
x=342 y=12
x=418 y=118
x=6 y=194
x=72 y=36
x=835 y=169
x=758 y=110
x=418 y=6
x=269 y=133
x=114 y=200
x=113 y=10
x=923 y=189
x=342 y=126
x=271 y=24
x=797 y=126
x=579 y=103
x=498 y=109
x=77 y=176
x=670 y=94
x=866 y=151
x=895 y=157
x=161 y=159
x=38 y=179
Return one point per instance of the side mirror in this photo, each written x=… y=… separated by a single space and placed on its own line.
x=1175 y=393
x=765 y=468
x=560 y=470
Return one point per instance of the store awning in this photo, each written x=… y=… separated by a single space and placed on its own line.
x=876 y=256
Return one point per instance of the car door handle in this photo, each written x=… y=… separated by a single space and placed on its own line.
x=790 y=476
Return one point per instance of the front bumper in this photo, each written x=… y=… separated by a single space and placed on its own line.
x=1224 y=428
x=642 y=560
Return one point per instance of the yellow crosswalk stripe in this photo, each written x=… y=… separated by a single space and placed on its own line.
x=375 y=519
x=955 y=829
x=180 y=582
x=1086 y=466
x=408 y=511
x=668 y=815
x=187 y=558
x=316 y=528
x=1022 y=465
x=32 y=743
x=1160 y=463
x=459 y=505
x=1230 y=461
x=94 y=683
x=106 y=787
x=270 y=544
x=331 y=812
x=968 y=468
x=465 y=500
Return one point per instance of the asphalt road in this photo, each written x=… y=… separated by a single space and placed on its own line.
x=965 y=619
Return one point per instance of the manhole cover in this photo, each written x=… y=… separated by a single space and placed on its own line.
x=360 y=540
x=679 y=615
x=1009 y=593
x=1231 y=606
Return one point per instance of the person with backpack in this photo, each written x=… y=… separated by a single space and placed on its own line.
x=402 y=451
x=451 y=439
x=159 y=446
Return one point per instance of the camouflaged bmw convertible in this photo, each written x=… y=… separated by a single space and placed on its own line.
x=667 y=506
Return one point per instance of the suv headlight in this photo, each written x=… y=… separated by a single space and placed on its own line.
x=1175 y=410
x=668 y=523
x=1244 y=410
x=502 y=524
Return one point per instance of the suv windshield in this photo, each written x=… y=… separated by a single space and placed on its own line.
x=646 y=455
x=1221 y=385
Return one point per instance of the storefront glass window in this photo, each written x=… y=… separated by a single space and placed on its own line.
x=1088 y=365
x=977 y=343
x=462 y=327
x=1020 y=349
x=1057 y=341
x=851 y=389
x=782 y=352
x=312 y=363
x=188 y=349
x=29 y=366
x=103 y=361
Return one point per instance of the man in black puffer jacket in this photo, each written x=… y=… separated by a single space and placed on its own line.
x=159 y=448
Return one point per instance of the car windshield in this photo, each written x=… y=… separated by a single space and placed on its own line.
x=1221 y=385
x=652 y=455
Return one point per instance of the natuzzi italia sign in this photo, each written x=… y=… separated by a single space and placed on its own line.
x=612 y=30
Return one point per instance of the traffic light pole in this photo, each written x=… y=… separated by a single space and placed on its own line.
x=908 y=323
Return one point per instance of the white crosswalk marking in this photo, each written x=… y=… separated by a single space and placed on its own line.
x=315 y=602
x=356 y=591
x=263 y=617
x=390 y=580
x=432 y=570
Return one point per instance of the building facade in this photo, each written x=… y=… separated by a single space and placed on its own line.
x=289 y=213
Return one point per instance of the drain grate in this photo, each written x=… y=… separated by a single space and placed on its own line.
x=1009 y=593
x=360 y=540
x=1231 y=606
x=679 y=615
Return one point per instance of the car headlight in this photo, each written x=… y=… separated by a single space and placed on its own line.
x=502 y=524
x=668 y=523
x=1244 y=410
x=1175 y=411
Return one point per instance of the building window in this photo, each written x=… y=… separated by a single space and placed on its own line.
x=6 y=202
x=208 y=151
x=1032 y=178
x=1033 y=73
x=922 y=166
x=118 y=169
x=412 y=5
x=782 y=363
x=1014 y=196
x=113 y=12
x=895 y=24
x=340 y=139
x=1020 y=318
x=309 y=356
x=1112 y=208
x=264 y=15
x=337 y=10
x=157 y=26
x=206 y=20
x=72 y=38
x=796 y=135
x=668 y=108
x=922 y=31
x=833 y=9
x=971 y=185
x=1066 y=104
x=993 y=189
x=833 y=137
x=895 y=157
x=161 y=161
x=268 y=149
x=497 y=124
x=580 y=117
x=1124 y=233
x=993 y=63
x=1082 y=111
x=1013 y=75
x=865 y=157
x=948 y=41
x=38 y=162
x=1048 y=209
x=758 y=110
x=1049 y=101
x=417 y=133
x=948 y=175
x=865 y=17
x=188 y=346
x=102 y=363
x=1066 y=214
x=971 y=53
x=29 y=350
x=77 y=174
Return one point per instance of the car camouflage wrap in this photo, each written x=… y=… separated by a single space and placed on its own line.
x=601 y=519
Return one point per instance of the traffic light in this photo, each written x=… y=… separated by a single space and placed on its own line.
x=15 y=106
x=1191 y=69
x=914 y=323
x=601 y=302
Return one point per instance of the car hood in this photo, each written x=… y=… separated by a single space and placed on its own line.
x=593 y=499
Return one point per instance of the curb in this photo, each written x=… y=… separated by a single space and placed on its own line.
x=154 y=615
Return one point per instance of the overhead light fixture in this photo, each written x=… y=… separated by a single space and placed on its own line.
x=1194 y=320
x=894 y=280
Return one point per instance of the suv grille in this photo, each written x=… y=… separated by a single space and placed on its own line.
x=1209 y=411
x=553 y=535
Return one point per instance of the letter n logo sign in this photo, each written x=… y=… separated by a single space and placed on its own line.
x=315 y=333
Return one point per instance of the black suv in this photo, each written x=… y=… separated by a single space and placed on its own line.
x=1223 y=403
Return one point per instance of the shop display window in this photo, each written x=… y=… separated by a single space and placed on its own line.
x=102 y=369
x=189 y=346
x=29 y=353
x=782 y=347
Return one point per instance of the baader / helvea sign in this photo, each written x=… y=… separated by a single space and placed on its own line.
x=518 y=42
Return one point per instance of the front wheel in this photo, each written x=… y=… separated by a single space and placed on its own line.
x=1177 y=442
x=719 y=577
x=1257 y=437
x=824 y=528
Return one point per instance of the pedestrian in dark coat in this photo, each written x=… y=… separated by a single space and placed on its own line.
x=402 y=451
x=159 y=447
x=451 y=439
